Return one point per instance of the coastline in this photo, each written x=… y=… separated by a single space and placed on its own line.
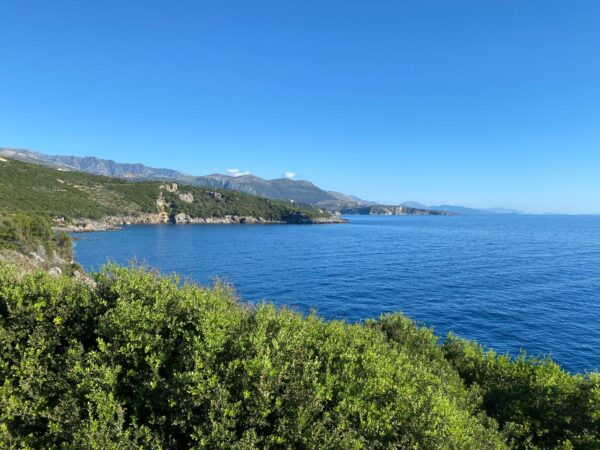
x=113 y=223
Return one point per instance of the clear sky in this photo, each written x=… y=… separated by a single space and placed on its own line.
x=480 y=103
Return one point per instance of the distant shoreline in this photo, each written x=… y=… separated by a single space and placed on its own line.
x=113 y=223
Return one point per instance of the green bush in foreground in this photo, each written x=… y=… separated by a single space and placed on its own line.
x=139 y=361
x=535 y=401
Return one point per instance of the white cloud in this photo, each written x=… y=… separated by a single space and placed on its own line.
x=289 y=175
x=237 y=172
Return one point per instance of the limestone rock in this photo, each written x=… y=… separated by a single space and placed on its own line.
x=55 y=272
x=169 y=187
x=187 y=198
x=182 y=218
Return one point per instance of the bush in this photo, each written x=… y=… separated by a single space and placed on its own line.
x=139 y=360
x=143 y=361
x=537 y=403
x=26 y=233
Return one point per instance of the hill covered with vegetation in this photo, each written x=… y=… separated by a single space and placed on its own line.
x=300 y=191
x=26 y=233
x=136 y=360
x=35 y=189
x=29 y=241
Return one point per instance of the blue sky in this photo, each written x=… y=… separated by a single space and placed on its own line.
x=480 y=103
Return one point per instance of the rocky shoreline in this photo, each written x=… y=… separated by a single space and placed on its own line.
x=112 y=223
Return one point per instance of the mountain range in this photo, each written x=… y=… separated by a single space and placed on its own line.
x=77 y=199
x=464 y=211
x=297 y=191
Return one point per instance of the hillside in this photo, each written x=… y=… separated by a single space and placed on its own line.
x=73 y=195
x=303 y=192
x=279 y=189
x=416 y=205
x=28 y=241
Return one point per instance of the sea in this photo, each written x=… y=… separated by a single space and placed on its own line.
x=511 y=282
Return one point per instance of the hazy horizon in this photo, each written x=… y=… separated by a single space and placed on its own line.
x=493 y=104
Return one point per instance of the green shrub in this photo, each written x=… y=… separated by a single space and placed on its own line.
x=26 y=233
x=136 y=360
x=537 y=403
x=141 y=361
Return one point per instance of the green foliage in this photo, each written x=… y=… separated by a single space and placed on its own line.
x=136 y=360
x=49 y=192
x=207 y=204
x=537 y=403
x=141 y=361
x=27 y=233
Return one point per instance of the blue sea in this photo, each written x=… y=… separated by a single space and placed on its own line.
x=509 y=282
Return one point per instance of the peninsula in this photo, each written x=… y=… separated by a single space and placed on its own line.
x=77 y=201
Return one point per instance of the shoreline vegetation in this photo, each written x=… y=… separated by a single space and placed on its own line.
x=127 y=358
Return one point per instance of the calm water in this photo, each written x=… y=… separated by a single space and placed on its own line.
x=510 y=282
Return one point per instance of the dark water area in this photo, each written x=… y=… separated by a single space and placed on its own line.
x=509 y=282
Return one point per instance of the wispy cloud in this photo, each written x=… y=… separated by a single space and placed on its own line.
x=289 y=175
x=237 y=172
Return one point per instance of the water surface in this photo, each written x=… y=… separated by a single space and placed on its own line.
x=510 y=282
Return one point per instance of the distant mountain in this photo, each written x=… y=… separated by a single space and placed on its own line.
x=416 y=205
x=347 y=198
x=390 y=210
x=502 y=211
x=298 y=191
x=96 y=166
x=461 y=210
x=472 y=211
